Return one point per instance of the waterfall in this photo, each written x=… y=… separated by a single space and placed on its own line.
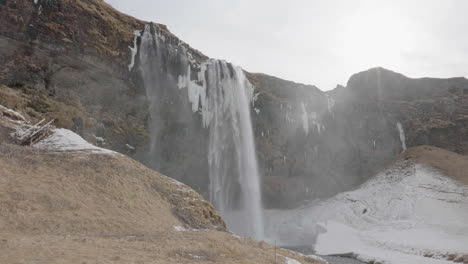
x=232 y=157
x=402 y=135
x=221 y=94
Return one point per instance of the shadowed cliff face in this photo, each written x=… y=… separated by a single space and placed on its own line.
x=353 y=131
x=68 y=60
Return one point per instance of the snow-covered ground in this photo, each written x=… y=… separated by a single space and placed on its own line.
x=66 y=140
x=409 y=214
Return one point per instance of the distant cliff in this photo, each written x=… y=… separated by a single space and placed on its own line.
x=69 y=60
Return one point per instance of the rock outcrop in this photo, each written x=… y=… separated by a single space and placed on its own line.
x=69 y=60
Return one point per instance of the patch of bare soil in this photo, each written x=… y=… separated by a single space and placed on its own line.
x=449 y=163
x=94 y=208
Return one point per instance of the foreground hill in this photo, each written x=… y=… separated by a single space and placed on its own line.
x=66 y=201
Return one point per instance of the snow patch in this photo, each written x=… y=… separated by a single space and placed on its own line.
x=66 y=140
x=408 y=214
x=101 y=140
x=317 y=258
x=130 y=147
x=195 y=256
x=290 y=260
x=183 y=229
x=180 y=228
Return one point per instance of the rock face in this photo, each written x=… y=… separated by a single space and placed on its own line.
x=69 y=60
x=353 y=131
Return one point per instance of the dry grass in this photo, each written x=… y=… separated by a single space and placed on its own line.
x=449 y=163
x=88 y=208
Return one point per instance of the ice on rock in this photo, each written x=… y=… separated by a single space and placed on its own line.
x=305 y=119
x=196 y=92
x=314 y=119
x=132 y=148
x=133 y=49
x=255 y=97
x=330 y=103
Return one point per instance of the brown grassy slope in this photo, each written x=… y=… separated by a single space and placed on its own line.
x=89 y=208
x=90 y=27
x=449 y=163
x=91 y=194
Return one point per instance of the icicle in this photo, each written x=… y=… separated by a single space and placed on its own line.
x=134 y=50
x=305 y=119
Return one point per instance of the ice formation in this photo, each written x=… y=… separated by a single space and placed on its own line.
x=305 y=119
x=330 y=103
x=315 y=121
x=134 y=49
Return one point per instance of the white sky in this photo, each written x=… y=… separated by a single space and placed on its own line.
x=320 y=42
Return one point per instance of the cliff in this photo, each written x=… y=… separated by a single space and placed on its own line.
x=68 y=60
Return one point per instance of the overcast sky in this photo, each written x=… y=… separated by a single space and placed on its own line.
x=320 y=42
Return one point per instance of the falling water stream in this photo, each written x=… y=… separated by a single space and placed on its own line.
x=234 y=176
x=221 y=93
x=401 y=131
